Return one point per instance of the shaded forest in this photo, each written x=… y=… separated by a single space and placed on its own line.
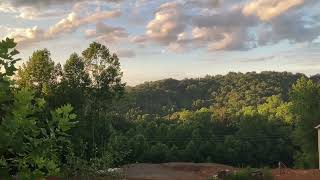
x=79 y=117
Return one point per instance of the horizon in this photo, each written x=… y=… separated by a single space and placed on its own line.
x=178 y=39
x=213 y=75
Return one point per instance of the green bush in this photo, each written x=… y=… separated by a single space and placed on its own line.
x=33 y=139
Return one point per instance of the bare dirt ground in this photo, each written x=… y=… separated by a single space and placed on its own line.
x=173 y=171
x=202 y=171
x=294 y=174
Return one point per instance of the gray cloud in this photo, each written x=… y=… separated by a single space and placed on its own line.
x=106 y=33
x=228 y=30
x=290 y=27
x=216 y=25
x=261 y=59
x=126 y=53
x=45 y=3
x=232 y=29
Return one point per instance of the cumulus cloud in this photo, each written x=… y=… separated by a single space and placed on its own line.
x=30 y=12
x=233 y=25
x=74 y=21
x=225 y=31
x=268 y=9
x=106 y=33
x=67 y=25
x=125 y=53
x=168 y=23
x=27 y=12
x=36 y=9
x=27 y=35
x=180 y=25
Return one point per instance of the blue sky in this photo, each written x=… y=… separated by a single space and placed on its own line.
x=158 y=39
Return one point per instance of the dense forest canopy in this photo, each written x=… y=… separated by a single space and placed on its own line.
x=234 y=89
x=87 y=119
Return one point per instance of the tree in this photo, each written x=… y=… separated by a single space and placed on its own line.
x=74 y=73
x=74 y=84
x=104 y=69
x=32 y=143
x=305 y=98
x=7 y=69
x=93 y=82
x=38 y=73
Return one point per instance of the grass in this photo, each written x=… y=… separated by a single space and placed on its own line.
x=248 y=174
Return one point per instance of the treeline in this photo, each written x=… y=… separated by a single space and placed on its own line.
x=87 y=119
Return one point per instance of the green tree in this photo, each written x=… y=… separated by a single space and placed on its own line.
x=74 y=72
x=96 y=78
x=104 y=69
x=7 y=69
x=31 y=143
x=305 y=98
x=38 y=73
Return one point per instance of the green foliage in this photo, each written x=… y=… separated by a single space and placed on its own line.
x=104 y=68
x=39 y=73
x=232 y=92
x=305 y=98
x=7 y=60
x=239 y=119
x=248 y=174
x=32 y=144
x=74 y=73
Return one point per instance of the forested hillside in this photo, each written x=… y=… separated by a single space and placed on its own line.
x=78 y=118
x=235 y=90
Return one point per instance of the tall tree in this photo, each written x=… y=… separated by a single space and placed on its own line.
x=305 y=97
x=74 y=74
x=38 y=73
x=104 y=69
x=99 y=73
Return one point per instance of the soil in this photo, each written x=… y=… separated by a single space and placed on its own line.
x=173 y=171
x=296 y=174
x=202 y=171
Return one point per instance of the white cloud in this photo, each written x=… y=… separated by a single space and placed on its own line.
x=27 y=35
x=73 y=21
x=29 y=12
x=168 y=23
x=180 y=25
x=268 y=9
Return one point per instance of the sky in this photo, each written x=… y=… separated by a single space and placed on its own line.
x=157 y=39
